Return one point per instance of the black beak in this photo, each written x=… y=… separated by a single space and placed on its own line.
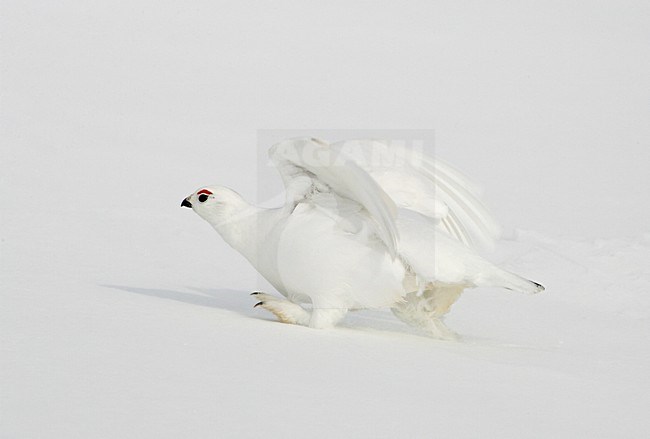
x=186 y=203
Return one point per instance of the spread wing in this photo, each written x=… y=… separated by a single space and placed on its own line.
x=426 y=185
x=309 y=170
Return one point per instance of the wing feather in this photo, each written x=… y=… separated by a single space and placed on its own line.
x=426 y=185
x=309 y=160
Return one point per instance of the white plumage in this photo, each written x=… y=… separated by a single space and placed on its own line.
x=366 y=224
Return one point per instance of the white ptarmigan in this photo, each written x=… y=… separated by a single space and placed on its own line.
x=366 y=224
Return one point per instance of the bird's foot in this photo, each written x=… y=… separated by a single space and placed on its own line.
x=326 y=317
x=437 y=329
x=285 y=311
x=433 y=326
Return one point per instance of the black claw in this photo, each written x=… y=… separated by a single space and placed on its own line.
x=258 y=304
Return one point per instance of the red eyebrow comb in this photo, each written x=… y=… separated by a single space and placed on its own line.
x=204 y=191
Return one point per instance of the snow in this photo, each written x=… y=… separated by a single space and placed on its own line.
x=123 y=315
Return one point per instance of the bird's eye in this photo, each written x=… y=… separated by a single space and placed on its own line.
x=202 y=198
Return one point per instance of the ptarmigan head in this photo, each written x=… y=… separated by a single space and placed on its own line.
x=215 y=204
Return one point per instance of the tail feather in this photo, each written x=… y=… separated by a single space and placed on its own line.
x=514 y=282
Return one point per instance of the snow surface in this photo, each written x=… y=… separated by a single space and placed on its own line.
x=123 y=315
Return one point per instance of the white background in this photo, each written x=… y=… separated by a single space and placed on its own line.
x=124 y=316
